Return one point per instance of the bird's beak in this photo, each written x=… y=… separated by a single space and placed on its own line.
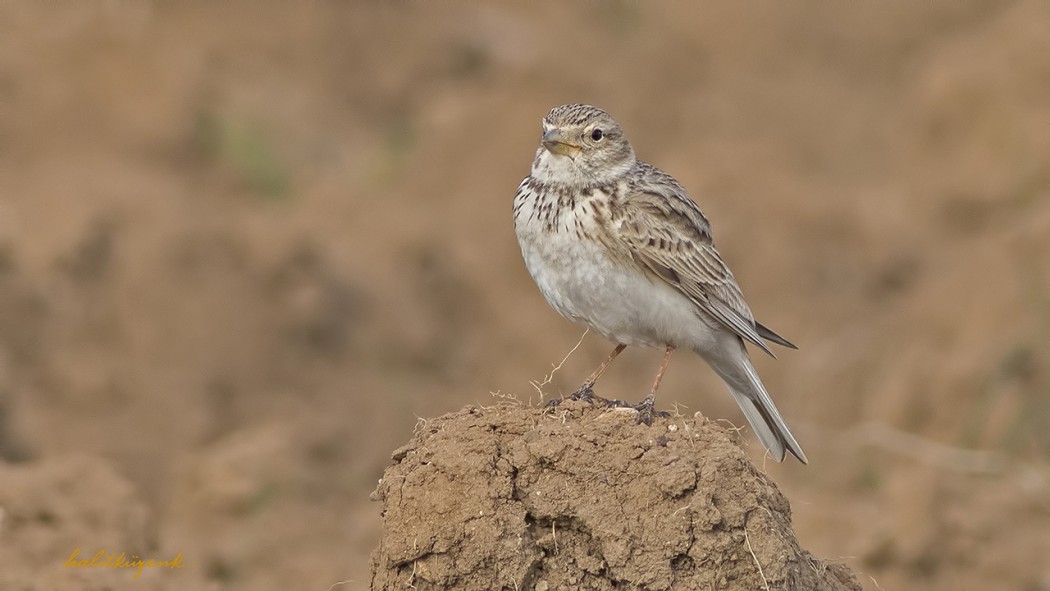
x=556 y=142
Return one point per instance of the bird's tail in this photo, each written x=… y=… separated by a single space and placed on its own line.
x=761 y=413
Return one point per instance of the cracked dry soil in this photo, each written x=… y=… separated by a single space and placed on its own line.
x=515 y=497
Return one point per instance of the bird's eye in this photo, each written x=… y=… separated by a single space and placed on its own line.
x=597 y=135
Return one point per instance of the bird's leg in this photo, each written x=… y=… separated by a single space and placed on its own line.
x=645 y=407
x=586 y=390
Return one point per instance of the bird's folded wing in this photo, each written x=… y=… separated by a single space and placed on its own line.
x=667 y=236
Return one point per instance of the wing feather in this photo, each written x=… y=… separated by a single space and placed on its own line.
x=667 y=234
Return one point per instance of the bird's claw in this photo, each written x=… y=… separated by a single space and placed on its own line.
x=584 y=393
x=646 y=411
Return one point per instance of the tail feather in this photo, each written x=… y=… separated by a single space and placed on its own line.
x=760 y=424
x=769 y=335
x=763 y=415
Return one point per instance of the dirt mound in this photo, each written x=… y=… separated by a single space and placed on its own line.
x=512 y=497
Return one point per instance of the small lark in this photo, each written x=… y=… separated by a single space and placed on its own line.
x=617 y=245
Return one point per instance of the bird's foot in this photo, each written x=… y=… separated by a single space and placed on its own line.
x=584 y=393
x=646 y=411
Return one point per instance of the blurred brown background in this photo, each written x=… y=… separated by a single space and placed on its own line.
x=244 y=246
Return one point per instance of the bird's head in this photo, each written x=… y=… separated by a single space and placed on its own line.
x=582 y=145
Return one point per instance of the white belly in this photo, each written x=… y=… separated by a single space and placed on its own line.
x=583 y=284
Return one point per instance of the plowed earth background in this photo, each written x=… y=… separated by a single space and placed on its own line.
x=243 y=246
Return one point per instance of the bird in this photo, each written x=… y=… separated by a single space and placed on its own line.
x=619 y=246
